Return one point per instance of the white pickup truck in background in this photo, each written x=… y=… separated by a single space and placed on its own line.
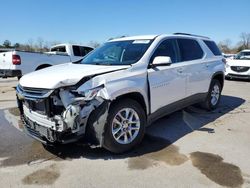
x=16 y=63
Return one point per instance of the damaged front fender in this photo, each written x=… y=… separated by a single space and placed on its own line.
x=87 y=117
x=96 y=124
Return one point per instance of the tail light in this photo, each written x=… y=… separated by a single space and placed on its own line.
x=16 y=60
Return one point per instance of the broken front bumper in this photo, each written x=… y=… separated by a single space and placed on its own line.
x=44 y=134
x=69 y=125
x=42 y=129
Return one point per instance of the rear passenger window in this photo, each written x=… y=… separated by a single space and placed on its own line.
x=213 y=47
x=189 y=49
x=166 y=48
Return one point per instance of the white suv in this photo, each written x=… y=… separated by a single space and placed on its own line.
x=239 y=66
x=121 y=87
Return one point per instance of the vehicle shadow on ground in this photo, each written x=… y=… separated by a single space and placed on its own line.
x=160 y=134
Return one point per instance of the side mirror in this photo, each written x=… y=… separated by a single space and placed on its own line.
x=161 y=61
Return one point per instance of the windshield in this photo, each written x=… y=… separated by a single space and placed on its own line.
x=243 y=56
x=118 y=53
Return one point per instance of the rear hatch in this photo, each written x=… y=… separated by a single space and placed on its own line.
x=6 y=60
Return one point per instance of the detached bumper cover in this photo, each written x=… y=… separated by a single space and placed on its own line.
x=44 y=134
x=5 y=73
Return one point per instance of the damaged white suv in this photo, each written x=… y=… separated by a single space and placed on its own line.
x=121 y=87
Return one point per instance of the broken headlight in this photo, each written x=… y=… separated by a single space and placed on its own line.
x=91 y=93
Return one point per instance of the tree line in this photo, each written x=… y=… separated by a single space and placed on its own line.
x=38 y=45
x=243 y=43
x=41 y=45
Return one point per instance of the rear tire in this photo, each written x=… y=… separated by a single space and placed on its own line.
x=214 y=95
x=125 y=126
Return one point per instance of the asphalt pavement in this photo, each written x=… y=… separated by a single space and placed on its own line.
x=189 y=148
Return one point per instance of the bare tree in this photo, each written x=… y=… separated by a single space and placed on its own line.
x=40 y=44
x=225 y=46
x=245 y=40
x=30 y=45
x=94 y=44
x=55 y=42
x=46 y=46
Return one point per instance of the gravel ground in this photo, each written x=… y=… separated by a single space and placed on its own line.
x=189 y=148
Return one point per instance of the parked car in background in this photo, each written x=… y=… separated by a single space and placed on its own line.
x=15 y=63
x=239 y=67
x=244 y=54
x=228 y=56
x=121 y=87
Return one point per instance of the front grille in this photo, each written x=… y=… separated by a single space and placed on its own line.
x=35 y=99
x=39 y=107
x=239 y=68
x=33 y=93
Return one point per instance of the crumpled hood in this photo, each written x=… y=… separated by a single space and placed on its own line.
x=64 y=75
x=236 y=62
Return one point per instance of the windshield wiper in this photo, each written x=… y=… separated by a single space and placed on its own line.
x=103 y=63
x=77 y=62
x=99 y=64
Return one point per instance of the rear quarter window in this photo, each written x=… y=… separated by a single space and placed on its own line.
x=81 y=51
x=58 y=49
x=213 y=47
x=189 y=49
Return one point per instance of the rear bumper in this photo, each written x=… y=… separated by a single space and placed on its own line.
x=5 y=73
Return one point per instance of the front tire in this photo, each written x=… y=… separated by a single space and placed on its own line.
x=214 y=95
x=125 y=126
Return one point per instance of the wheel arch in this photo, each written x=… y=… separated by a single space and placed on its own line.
x=94 y=133
x=43 y=66
x=220 y=77
x=135 y=96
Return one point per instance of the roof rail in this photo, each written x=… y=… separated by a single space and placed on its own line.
x=191 y=35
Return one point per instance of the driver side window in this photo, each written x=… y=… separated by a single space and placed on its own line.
x=167 y=48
